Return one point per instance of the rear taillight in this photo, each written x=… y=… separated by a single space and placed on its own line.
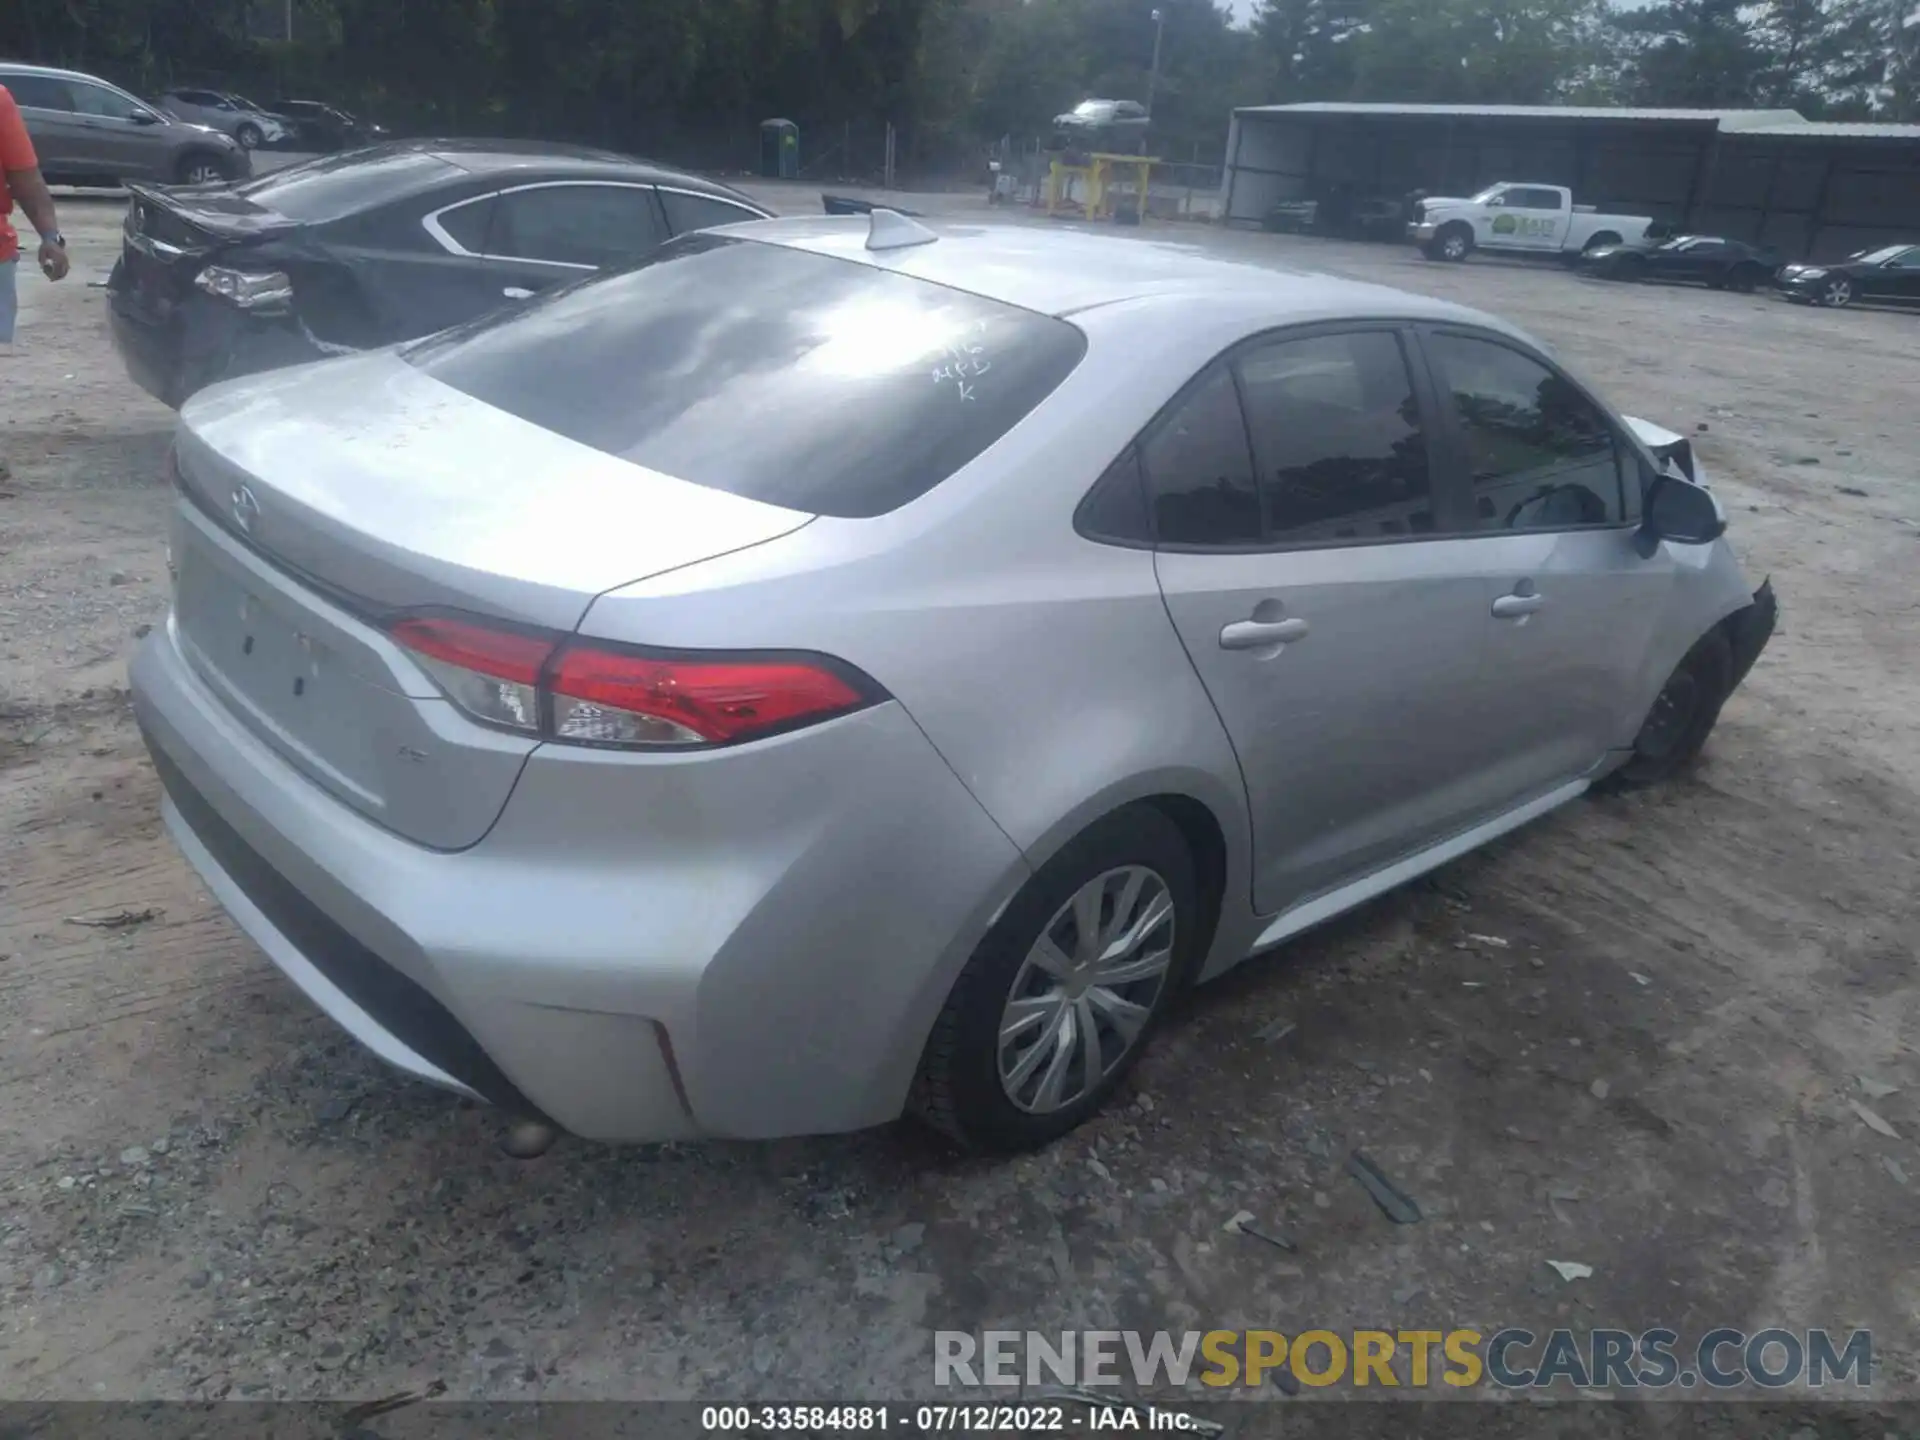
x=264 y=290
x=583 y=693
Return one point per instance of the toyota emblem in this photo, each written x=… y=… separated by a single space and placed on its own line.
x=246 y=509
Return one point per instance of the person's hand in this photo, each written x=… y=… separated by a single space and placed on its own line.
x=53 y=260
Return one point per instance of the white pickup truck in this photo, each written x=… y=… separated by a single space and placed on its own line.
x=1522 y=219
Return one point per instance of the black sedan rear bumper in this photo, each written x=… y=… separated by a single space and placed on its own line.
x=170 y=350
x=1749 y=630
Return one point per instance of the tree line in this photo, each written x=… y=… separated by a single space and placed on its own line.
x=691 y=79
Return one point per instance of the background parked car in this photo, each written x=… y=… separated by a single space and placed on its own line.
x=322 y=128
x=378 y=245
x=230 y=114
x=1114 y=126
x=1891 y=273
x=88 y=132
x=1705 y=259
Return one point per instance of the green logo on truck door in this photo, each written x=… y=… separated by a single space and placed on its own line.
x=1506 y=224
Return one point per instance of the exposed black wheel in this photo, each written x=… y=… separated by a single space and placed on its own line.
x=199 y=167
x=1683 y=714
x=249 y=136
x=1058 y=1001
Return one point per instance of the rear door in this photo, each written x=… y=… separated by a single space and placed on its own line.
x=547 y=234
x=1567 y=603
x=65 y=144
x=1300 y=550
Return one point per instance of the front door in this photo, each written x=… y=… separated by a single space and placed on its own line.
x=1569 y=604
x=65 y=144
x=1897 y=278
x=1534 y=218
x=1337 y=634
x=125 y=146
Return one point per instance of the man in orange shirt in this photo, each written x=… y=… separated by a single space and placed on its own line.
x=20 y=177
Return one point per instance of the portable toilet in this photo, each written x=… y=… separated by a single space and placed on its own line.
x=780 y=149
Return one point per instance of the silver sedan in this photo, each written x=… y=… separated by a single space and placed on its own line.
x=838 y=668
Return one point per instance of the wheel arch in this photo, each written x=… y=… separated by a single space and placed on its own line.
x=1212 y=818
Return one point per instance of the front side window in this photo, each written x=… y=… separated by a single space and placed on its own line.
x=98 y=100
x=1199 y=470
x=1907 y=260
x=469 y=225
x=1337 y=439
x=818 y=384
x=589 y=226
x=1542 y=455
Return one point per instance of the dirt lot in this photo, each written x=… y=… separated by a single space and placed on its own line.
x=1651 y=1068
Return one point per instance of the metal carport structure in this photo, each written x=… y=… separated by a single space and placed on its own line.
x=1767 y=175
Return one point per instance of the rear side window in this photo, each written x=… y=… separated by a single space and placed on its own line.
x=1337 y=436
x=592 y=225
x=701 y=212
x=823 y=385
x=1199 y=470
x=468 y=225
x=40 y=92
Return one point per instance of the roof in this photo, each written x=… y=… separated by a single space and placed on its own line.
x=551 y=159
x=1725 y=119
x=1062 y=272
x=1755 y=123
x=1839 y=130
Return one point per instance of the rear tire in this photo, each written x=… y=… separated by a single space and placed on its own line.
x=1021 y=982
x=1683 y=714
x=1745 y=279
x=249 y=136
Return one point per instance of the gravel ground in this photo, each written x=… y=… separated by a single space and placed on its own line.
x=1652 y=1067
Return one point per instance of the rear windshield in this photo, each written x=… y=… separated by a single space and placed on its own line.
x=336 y=186
x=823 y=385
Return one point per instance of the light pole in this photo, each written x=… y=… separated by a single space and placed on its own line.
x=1153 y=73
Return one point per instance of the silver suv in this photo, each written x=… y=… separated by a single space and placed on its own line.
x=88 y=132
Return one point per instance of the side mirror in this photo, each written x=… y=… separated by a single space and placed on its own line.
x=1680 y=511
x=144 y=117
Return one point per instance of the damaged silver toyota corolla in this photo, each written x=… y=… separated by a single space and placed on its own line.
x=834 y=669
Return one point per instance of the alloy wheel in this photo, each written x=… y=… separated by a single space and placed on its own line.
x=203 y=173
x=1454 y=247
x=1082 y=998
x=1837 y=293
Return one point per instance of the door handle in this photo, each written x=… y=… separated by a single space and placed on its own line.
x=1515 y=607
x=1259 y=634
x=517 y=292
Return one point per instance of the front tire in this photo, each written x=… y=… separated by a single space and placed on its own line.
x=1453 y=245
x=249 y=136
x=200 y=167
x=1683 y=714
x=1836 y=292
x=1059 y=999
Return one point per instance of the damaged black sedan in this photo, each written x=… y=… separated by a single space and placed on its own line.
x=355 y=251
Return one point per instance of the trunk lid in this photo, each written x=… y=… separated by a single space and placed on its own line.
x=169 y=234
x=322 y=499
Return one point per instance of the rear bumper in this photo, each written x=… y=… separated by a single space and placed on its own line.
x=756 y=950
x=1750 y=629
x=174 y=350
